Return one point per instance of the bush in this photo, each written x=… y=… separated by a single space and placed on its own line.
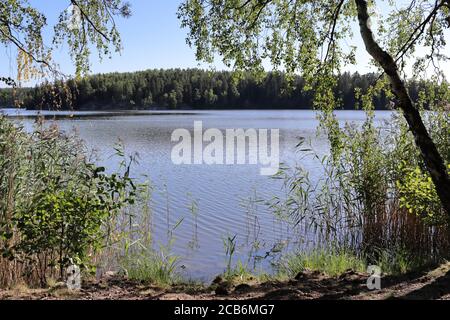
x=55 y=205
x=418 y=195
x=374 y=195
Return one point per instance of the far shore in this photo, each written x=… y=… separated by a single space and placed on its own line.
x=63 y=113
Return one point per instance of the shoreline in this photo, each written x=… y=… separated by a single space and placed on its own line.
x=307 y=285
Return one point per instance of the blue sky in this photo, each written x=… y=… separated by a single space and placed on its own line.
x=152 y=38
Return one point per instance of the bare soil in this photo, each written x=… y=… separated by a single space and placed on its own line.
x=429 y=284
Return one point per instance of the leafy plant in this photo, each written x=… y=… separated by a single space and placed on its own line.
x=372 y=196
x=59 y=205
x=230 y=247
x=418 y=195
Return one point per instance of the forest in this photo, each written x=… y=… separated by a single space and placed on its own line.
x=188 y=89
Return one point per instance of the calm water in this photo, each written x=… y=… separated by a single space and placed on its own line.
x=222 y=192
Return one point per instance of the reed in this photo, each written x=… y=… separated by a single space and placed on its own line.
x=359 y=203
x=332 y=263
x=55 y=204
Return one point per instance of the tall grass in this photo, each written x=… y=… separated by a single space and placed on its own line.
x=330 y=263
x=138 y=258
x=362 y=211
x=57 y=208
x=359 y=203
x=146 y=265
x=37 y=170
x=55 y=204
x=140 y=261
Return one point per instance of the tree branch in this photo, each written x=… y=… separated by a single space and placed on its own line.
x=420 y=28
x=21 y=47
x=432 y=159
x=88 y=19
x=333 y=28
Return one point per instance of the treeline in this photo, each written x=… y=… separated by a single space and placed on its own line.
x=183 y=89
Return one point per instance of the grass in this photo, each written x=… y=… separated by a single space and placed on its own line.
x=360 y=189
x=400 y=261
x=240 y=274
x=151 y=267
x=162 y=270
x=334 y=263
x=330 y=263
x=360 y=203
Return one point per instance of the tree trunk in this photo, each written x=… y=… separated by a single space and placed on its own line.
x=431 y=157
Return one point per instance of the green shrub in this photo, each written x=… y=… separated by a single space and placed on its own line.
x=55 y=205
x=373 y=195
x=418 y=195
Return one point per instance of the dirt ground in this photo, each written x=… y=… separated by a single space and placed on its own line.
x=431 y=284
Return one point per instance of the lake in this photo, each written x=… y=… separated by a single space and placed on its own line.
x=224 y=194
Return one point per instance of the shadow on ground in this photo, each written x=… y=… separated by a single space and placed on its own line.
x=429 y=284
